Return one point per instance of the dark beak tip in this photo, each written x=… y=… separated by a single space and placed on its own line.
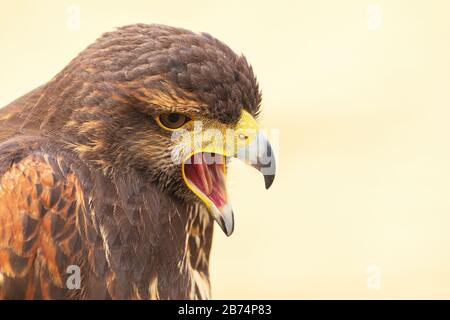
x=227 y=224
x=228 y=232
x=268 y=180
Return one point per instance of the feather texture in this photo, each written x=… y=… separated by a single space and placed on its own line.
x=86 y=176
x=130 y=241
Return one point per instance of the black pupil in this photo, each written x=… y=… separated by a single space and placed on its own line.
x=174 y=117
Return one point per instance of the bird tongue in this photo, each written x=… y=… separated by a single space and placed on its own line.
x=207 y=173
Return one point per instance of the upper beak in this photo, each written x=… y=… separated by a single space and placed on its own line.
x=250 y=146
x=259 y=155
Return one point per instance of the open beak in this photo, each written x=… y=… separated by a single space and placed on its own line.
x=204 y=171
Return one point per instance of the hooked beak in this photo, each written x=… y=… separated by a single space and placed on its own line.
x=259 y=155
x=204 y=171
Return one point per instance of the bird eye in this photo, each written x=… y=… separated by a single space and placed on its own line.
x=172 y=120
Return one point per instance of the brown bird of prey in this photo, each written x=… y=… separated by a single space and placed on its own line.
x=106 y=189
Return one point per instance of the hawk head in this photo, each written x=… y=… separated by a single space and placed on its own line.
x=173 y=105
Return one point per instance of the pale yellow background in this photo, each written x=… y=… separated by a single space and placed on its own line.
x=360 y=207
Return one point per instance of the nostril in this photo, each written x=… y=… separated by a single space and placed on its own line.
x=242 y=136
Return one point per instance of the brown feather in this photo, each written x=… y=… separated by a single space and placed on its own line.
x=86 y=176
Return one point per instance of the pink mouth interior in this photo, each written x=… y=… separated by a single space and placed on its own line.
x=207 y=172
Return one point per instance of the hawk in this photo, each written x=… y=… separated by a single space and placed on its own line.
x=116 y=167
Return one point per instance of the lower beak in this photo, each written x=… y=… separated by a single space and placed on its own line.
x=205 y=174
